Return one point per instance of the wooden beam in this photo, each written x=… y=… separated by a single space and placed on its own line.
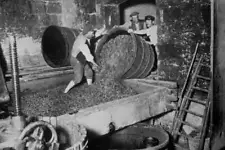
x=161 y=83
x=121 y=113
x=144 y=85
x=140 y=87
x=45 y=83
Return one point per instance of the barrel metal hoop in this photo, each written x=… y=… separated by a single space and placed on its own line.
x=133 y=36
x=147 y=54
x=134 y=73
x=151 y=60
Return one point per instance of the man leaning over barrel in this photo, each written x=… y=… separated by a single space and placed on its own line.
x=81 y=57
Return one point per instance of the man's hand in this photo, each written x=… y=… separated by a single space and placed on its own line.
x=101 y=31
x=105 y=32
x=95 y=66
x=130 y=31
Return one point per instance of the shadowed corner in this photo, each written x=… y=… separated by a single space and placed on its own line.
x=4 y=95
x=3 y=62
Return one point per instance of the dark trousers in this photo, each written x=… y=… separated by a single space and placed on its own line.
x=81 y=68
x=156 y=58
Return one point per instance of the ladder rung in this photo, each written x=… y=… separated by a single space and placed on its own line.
x=200 y=89
x=188 y=124
x=196 y=100
x=204 y=65
x=202 y=77
x=193 y=113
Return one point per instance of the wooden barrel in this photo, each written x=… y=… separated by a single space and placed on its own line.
x=56 y=45
x=143 y=61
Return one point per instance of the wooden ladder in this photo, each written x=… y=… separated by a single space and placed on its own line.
x=187 y=97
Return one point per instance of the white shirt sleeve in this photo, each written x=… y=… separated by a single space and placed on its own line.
x=86 y=52
x=141 y=32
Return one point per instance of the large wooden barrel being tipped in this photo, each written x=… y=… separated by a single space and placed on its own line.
x=123 y=56
x=57 y=44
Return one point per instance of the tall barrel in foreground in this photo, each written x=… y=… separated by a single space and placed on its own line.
x=122 y=55
x=56 y=44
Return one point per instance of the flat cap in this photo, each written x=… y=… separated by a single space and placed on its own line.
x=134 y=14
x=149 y=17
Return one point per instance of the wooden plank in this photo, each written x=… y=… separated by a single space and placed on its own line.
x=159 y=83
x=38 y=71
x=8 y=133
x=36 y=85
x=46 y=75
x=139 y=86
x=53 y=121
x=121 y=113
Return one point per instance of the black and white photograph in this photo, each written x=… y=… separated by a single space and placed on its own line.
x=112 y=75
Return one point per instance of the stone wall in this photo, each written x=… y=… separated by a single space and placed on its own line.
x=182 y=24
x=76 y=12
x=28 y=19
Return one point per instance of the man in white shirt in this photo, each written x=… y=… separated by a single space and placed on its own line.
x=150 y=31
x=81 y=58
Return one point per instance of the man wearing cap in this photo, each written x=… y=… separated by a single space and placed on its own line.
x=150 y=31
x=81 y=58
x=134 y=23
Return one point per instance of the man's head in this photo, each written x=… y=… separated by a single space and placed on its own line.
x=134 y=16
x=149 y=20
x=88 y=31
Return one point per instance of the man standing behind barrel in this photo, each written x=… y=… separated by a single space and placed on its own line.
x=81 y=58
x=150 y=31
x=135 y=23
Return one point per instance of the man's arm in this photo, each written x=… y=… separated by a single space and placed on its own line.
x=100 y=32
x=141 y=32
